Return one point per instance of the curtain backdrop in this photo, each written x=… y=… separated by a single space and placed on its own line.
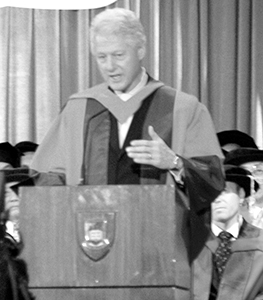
x=210 y=48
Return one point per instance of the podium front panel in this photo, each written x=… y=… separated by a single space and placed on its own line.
x=99 y=237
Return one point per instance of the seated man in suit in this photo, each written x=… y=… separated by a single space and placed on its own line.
x=230 y=266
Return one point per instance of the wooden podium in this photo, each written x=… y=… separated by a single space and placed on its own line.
x=104 y=242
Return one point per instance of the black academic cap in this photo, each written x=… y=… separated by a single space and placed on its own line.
x=241 y=177
x=243 y=155
x=15 y=174
x=236 y=137
x=10 y=154
x=26 y=146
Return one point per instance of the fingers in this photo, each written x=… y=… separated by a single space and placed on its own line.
x=143 y=144
x=144 y=149
x=152 y=152
x=148 y=143
x=142 y=158
x=140 y=152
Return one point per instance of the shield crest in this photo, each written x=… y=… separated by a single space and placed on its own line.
x=96 y=233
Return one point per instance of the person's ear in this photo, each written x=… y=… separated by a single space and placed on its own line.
x=242 y=194
x=141 y=52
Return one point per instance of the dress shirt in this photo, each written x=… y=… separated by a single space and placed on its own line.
x=124 y=127
x=234 y=229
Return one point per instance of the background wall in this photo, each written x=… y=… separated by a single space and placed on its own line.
x=212 y=49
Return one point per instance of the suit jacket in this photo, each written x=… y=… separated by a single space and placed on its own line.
x=243 y=275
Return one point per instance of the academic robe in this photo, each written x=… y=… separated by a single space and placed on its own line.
x=243 y=275
x=61 y=151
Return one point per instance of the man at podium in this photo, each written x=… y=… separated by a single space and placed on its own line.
x=131 y=129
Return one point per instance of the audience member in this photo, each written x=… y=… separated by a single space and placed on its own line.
x=251 y=160
x=14 y=175
x=230 y=265
x=13 y=270
x=27 y=150
x=14 y=179
x=233 y=139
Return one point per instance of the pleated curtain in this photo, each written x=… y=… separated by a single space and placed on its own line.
x=212 y=49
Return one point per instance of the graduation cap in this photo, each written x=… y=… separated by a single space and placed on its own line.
x=26 y=146
x=18 y=176
x=10 y=154
x=237 y=137
x=243 y=155
x=241 y=177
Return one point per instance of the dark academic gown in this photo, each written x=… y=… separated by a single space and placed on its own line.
x=243 y=275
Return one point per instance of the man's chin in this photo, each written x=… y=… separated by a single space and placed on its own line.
x=117 y=86
x=219 y=215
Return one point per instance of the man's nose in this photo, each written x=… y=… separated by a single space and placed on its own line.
x=219 y=198
x=110 y=63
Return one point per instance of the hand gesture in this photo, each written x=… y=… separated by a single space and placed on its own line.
x=153 y=152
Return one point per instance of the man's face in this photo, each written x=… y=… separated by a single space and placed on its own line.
x=256 y=169
x=118 y=62
x=225 y=208
x=26 y=159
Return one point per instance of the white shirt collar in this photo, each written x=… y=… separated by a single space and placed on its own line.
x=234 y=229
x=136 y=89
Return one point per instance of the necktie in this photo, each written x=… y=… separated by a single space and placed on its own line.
x=222 y=253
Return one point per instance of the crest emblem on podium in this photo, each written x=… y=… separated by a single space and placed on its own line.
x=96 y=233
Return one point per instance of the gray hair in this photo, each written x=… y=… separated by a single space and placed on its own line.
x=118 y=21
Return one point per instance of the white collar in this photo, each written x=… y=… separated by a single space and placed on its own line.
x=136 y=89
x=234 y=229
